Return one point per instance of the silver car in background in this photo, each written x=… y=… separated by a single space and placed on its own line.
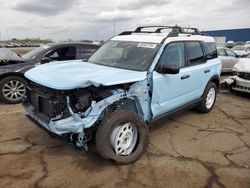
x=228 y=59
x=242 y=50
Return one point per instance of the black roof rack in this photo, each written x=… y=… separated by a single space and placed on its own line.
x=176 y=30
x=174 y=33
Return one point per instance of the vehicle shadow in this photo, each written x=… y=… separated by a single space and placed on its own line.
x=235 y=93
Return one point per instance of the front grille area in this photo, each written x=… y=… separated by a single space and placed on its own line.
x=245 y=76
x=45 y=102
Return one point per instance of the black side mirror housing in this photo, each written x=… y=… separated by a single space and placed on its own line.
x=168 y=69
x=45 y=60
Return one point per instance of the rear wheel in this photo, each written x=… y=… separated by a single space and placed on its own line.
x=208 y=98
x=13 y=89
x=122 y=136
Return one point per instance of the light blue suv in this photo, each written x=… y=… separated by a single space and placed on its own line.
x=135 y=78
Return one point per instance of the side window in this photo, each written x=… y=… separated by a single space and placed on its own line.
x=221 y=52
x=63 y=54
x=248 y=49
x=68 y=53
x=231 y=53
x=195 y=53
x=85 y=51
x=54 y=55
x=213 y=49
x=173 y=54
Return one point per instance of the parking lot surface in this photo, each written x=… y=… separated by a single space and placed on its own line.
x=188 y=150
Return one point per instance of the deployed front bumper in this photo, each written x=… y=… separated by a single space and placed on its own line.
x=56 y=125
x=238 y=84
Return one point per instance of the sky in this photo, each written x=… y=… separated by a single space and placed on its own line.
x=100 y=19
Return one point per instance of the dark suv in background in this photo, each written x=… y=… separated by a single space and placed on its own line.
x=12 y=81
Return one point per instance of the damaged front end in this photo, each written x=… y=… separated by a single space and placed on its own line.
x=74 y=113
x=241 y=79
x=239 y=82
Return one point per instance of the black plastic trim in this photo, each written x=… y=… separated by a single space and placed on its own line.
x=177 y=110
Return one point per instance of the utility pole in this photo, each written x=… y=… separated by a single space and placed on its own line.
x=114 y=26
x=7 y=32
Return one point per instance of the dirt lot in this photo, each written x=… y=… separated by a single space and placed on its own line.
x=188 y=150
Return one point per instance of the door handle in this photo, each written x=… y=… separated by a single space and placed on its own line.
x=207 y=71
x=185 y=77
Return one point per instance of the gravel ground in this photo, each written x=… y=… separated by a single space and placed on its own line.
x=188 y=150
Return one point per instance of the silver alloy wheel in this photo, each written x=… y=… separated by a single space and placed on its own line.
x=13 y=90
x=210 y=98
x=124 y=138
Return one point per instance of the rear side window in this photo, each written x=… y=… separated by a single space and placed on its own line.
x=194 y=53
x=213 y=49
x=85 y=51
x=68 y=53
x=221 y=52
x=231 y=53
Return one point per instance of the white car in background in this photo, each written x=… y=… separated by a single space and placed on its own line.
x=241 y=79
x=242 y=50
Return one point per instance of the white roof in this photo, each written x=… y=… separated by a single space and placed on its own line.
x=139 y=38
x=158 y=37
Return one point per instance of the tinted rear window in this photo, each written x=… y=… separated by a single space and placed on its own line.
x=195 y=53
x=212 y=47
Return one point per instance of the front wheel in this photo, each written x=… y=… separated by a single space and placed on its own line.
x=208 y=98
x=122 y=136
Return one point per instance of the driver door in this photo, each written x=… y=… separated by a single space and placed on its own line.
x=171 y=91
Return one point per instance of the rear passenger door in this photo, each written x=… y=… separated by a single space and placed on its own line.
x=173 y=91
x=197 y=67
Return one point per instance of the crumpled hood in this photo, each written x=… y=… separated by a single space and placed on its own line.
x=78 y=74
x=7 y=54
x=243 y=65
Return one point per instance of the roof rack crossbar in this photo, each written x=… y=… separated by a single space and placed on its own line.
x=175 y=30
x=195 y=30
x=159 y=28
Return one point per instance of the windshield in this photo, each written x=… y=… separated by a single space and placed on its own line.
x=126 y=55
x=33 y=54
x=239 y=48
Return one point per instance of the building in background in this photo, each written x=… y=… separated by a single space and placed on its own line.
x=231 y=34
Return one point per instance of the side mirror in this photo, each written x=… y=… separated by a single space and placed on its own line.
x=168 y=69
x=45 y=60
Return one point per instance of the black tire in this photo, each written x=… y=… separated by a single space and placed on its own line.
x=109 y=123
x=4 y=81
x=203 y=107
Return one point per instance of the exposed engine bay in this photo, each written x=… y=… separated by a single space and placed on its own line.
x=56 y=108
x=49 y=103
